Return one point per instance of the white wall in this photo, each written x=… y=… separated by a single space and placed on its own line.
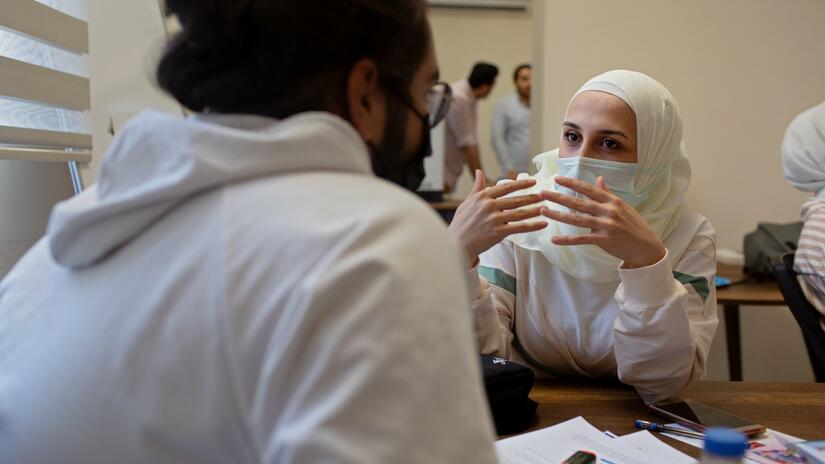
x=463 y=37
x=740 y=70
x=28 y=190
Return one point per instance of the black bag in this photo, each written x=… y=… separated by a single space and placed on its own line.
x=766 y=243
x=508 y=384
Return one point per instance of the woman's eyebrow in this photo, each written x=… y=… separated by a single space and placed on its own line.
x=603 y=131
x=614 y=132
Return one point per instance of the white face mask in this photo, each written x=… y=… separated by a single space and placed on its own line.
x=619 y=177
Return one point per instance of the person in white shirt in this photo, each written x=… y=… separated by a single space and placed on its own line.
x=510 y=131
x=461 y=134
x=238 y=286
x=618 y=281
x=803 y=158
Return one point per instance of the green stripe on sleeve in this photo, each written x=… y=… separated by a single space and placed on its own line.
x=700 y=284
x=498 y=278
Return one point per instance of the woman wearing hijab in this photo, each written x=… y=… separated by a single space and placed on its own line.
x=619 y=281
x=803 y=156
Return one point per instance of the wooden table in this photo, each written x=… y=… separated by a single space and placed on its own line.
x=730 y=298
x=794 y=408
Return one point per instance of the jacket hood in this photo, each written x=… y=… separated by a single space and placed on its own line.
x=158 y=160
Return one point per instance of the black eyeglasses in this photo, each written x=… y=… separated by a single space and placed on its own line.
x=438 y=98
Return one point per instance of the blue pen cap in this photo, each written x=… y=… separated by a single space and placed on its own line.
x=725 y=442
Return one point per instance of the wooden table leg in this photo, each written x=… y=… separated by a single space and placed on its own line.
x=734 y=341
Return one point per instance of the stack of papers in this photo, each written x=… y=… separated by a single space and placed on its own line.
x=553 y=445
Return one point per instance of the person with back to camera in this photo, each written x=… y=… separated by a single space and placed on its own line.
x=244 y=285
x=803 y=156
x=620 y=281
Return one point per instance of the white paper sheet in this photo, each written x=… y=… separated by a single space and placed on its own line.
x=654 y=449
x=552 y=445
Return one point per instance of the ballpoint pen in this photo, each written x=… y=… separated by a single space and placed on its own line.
x=654 y=427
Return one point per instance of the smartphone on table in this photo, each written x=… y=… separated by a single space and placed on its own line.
x=699 y=417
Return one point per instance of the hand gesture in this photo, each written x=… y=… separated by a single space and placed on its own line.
x=615 y=226
x=484 y=218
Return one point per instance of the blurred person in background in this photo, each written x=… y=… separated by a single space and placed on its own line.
x=510 y=132
x=461 y=137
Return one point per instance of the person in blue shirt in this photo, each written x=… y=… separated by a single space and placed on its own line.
x=511 y=126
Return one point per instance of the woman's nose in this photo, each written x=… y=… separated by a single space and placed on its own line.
x=587 y=149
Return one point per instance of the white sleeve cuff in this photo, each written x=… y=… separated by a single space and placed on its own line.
x=649 y=286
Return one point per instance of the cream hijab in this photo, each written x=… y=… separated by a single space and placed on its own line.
x=663 y=172
x=803 y=151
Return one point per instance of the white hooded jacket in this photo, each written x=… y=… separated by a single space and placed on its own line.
x=236 y=289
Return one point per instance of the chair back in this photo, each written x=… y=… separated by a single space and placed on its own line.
x=804 y=312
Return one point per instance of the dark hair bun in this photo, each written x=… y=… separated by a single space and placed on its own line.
x=210 y=48
x=280 y=57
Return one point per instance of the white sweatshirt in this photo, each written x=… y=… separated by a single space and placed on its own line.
x=653 y=329
x=236 y=289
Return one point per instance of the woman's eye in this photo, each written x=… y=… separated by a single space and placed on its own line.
x=571 y=137
x=611 y=144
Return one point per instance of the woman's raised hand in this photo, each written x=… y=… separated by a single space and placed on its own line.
x=615 y=226
x=484 y=218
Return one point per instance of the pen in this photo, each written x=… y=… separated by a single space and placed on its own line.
x=654 y=427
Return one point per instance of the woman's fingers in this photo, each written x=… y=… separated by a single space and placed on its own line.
x=581 y=205
x=521 y=214
x=590 y=191
x=506 y=188
x=579 y=220
x=480 y=182
x=600 y=183
x=582 y=239
x=519 y=201
x=522 y=227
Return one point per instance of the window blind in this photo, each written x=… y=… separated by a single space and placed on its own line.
x=44 y=81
